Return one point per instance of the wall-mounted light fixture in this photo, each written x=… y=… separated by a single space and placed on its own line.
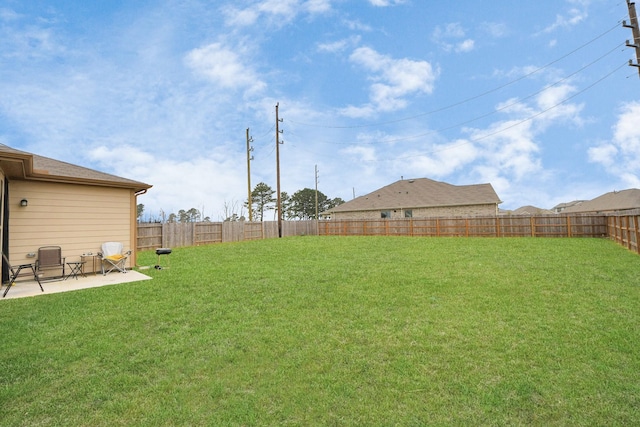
x=24 y=202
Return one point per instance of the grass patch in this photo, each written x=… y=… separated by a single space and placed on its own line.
x=338 y=331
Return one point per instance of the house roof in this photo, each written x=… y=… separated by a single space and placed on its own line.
x=609 y=202
x=531 y=210
x=421 y=193
x=23 y=165
x=563 y=206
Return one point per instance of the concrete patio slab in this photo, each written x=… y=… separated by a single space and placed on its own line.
x=29 y=288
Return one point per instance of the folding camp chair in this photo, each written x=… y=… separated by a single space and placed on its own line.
x=113 y=257
x=14 y=271
x=50 y=258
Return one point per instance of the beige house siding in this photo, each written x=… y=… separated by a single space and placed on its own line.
x=435 y=212
x=78 y=218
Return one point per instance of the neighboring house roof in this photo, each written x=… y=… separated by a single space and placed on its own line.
x=562 y=206
x=421 y=193
x=530 y=210
x=613 y=201
x=22 y=165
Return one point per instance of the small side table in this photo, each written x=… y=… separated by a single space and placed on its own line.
x=94 y=258
x=76 y=268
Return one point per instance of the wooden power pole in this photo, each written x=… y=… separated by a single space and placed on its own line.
x=249 y=158
x=279 y=198
x=633 y=24
x=317 y=217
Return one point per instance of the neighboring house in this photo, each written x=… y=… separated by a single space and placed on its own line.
x=562 y=206
x=48 y=202
x=615 y=201
x=528 y=210
x=420 y=198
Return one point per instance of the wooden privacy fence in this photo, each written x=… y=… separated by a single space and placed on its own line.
x=173 y=235
x=624 y=229
x=498 y=226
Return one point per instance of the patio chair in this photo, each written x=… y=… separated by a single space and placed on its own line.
x=113 y=257
x=14 y=271
x=50 y=259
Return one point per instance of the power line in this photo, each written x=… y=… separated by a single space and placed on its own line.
x=492 y=112
x=506 y=128
x=528 y=119
x=472 y=98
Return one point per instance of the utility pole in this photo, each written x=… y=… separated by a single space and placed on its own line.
x=279 y=199
x=249 y=158
x=317 y=218
x=633 y=24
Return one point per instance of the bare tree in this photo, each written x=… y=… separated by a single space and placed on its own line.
x=233 y=211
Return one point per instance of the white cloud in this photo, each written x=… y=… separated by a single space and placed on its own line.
x=224 y=67
x=621 y=155
x=451 y=37
x=553 y=102
x=365 y=154
x=604 y=154
x=209 y=180
x=465 y=46
x=241 y=17
x=385 y=3
x=441 y=160
x=339 y=45
x=451 y=30
x=512 y=147
x=356 y=25
x=318 y=6
x=574 y=17
x=275 y=12
x=7 y=14
x=394 y=80
x=27 y=40
x=488 y=174
x=495 y=29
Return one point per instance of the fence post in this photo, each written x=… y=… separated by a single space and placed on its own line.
x=194 y=236
x=628 y=233
x=532 y=223
x=568 y=226
x=164 y=235
x=635 y=226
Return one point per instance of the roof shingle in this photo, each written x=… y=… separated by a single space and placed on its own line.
x=609 y=202
x=421 y=193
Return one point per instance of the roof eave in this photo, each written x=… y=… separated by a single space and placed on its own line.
x=43 y=177
x=416 y=207
x=16 y=165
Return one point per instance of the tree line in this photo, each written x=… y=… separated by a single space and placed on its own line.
x=301 y=205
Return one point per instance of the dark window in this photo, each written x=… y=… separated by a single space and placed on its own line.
x=385 y=214
x=408 y=213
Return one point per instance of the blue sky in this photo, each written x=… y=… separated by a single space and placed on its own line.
x=535 y=98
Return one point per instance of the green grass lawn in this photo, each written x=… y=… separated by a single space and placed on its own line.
x=338 y=331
